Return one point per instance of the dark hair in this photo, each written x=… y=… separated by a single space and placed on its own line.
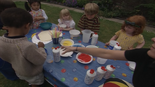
x=137 y=21
x=15 y=17
x=6 y=4
x=28 y=4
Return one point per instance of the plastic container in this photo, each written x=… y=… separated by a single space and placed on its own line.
x=110 y=70
x=94 y=39
x=117 y=47
x=86 y=35
x=100 y=73
x=90 y=75
x=112 y=44
x=101 y=60
x=56 y=54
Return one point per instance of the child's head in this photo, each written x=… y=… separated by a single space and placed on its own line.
x=16 y=18
x=34 y=5
x=91 y=9
x=65 y=14
x=4 y=4
x=136 y=22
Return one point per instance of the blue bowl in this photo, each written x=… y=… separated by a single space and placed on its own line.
x=46 y=25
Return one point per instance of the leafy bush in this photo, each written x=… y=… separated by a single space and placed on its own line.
x=148 y=10
x=81 y=3
x=71 y=3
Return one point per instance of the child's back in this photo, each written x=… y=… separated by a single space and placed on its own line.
x=26 y=59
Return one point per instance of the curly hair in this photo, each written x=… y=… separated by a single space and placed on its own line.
x=137 y=21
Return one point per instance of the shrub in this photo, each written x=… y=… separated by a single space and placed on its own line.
x=81 y=3
x=148 y=10
x=71 y=3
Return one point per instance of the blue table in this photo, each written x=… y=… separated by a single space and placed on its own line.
x=63 y=73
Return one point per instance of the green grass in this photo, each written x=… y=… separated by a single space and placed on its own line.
x=107 y=30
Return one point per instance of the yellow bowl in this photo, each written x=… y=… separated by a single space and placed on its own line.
x=67 y=42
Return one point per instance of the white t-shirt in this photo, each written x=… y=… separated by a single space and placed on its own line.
x=68 y=23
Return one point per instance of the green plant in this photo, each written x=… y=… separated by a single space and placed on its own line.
x=81 y=3
x=148 y=10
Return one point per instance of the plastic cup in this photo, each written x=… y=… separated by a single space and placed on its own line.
x=55 y=40
x=86 y=35
x=101 y=60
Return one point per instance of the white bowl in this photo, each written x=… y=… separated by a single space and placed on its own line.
x=66 y=44
x=91 y=46
x=132 y=65
x=83 y=61
x=74 y=33
x=63 y=25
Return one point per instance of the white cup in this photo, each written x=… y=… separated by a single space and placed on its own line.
x=101 y=60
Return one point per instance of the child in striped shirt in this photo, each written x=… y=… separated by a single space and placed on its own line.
x=90 y=20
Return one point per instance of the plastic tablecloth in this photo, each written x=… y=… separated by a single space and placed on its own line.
x=71 y=73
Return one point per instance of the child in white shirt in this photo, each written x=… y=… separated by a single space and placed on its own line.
x=66 y=19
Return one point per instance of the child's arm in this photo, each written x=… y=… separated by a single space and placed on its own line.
x=35 y=55
x=44 y=17
x=140 y=45
x=113 y=38
x=66 y=29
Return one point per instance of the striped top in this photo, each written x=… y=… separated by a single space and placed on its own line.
x=91 y=24
x=126 y=41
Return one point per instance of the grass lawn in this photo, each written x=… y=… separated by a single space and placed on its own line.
x=107 y=30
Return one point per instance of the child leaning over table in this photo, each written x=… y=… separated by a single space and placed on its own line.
x=38 y=14
x=90 y=20
x=26 y=59
x=66 y=18
x=130 y=33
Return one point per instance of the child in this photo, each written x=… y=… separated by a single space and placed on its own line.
x=5 y=67
x=26 y=59
x=65 y=18
x=38 y=14
x=144 y=73
x=130 y=33
x=90 y=20
x=4 y=4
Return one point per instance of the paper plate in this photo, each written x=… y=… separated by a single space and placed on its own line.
x=83 y=61
x=68 y=54
x=39 y=37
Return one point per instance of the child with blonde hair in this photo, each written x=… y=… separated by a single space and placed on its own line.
x=90 y=20
x=130 y=33
x=65 y=18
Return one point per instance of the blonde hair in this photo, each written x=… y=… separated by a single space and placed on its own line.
x=138 y=22
x=91 y=8
x=65 y=12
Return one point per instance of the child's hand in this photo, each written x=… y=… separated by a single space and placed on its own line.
x=107 y=44
x=36 y=19
x=130 y=48
x=41 y=44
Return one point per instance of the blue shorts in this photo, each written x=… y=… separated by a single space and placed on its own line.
x=7 y=70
